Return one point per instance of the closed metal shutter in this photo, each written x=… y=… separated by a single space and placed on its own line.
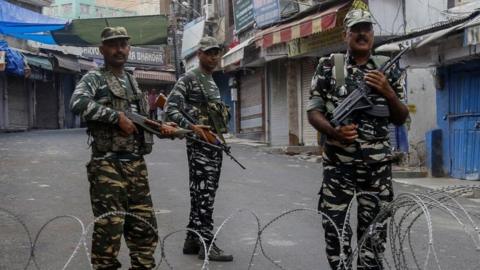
x=46 y=105
x=277 y=78
x=251 y=106
x=68 y=86
x=308 y=69
x=17 y=103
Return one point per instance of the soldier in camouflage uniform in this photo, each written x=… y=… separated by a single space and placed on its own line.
x=197 y=95
x=357 y=156
x=117 y=171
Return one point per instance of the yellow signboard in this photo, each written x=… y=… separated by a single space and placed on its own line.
x=412 y=108
x=315 y=42
x=320 y=40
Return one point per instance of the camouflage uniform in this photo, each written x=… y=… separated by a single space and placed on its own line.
x=362 y=166
x=190 y=95
x=117 y=171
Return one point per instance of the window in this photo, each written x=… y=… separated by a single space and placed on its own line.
x=67 y=9
x=47 y=11
x=99 y=11
x=221 y=8
x=84 y=9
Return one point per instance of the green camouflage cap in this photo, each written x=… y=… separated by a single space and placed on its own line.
x=207 y=43
x=109 y=33
x=355 y=16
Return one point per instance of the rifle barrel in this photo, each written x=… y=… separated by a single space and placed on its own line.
x=222 y=146
x=392 y=61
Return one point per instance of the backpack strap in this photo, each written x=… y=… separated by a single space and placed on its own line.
x=338 y=71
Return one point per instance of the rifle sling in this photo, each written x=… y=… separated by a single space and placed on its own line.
x=203 y=86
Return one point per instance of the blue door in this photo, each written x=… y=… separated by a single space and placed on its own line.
x=464 y=121
x=221 y=79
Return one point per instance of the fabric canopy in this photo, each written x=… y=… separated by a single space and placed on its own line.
x=22 y=23
x=143 y=30
x=309 y=25
x=38 y=61
x=155 y=75
x=236 y=53
x=67 y=62
x=26 y=24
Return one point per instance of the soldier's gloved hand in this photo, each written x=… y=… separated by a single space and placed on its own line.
x=379 y=82
x=346 y=134
x=167 y=129
x=126 y=125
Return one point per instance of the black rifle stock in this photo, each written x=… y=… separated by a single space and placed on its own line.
x=219 y=144
x=358 y=100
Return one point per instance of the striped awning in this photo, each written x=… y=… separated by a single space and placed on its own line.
x=38 y=61
x=309 y=25
x=67 y=62
x=472 y=32
x=235 y=54
x=151 y=75
x=87 y=65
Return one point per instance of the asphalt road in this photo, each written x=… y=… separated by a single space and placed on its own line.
x=43 y=180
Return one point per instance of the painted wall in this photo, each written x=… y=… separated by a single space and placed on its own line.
x=424 y=13
x=418 y=14
x=389 y=16
x=421 y=92
x=421 y=98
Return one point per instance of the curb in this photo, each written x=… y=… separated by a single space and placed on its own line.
x=408 y=174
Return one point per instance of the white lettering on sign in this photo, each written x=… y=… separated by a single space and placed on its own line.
x=137 y=55
x=92 y=51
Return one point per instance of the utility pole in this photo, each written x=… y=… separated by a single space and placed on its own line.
x=173 y=24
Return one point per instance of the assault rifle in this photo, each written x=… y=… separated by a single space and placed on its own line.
x=154 y=127
x=211 y=137
x=358 y=100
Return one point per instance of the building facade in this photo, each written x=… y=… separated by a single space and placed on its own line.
x=39 y=97
x=190 y=21
x=447 y=58
x=21 y=105
x=84 y=9
x=274 y=50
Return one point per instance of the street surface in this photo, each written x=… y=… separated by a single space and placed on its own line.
x=42 y=176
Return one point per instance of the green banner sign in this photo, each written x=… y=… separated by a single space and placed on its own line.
x=243 y=10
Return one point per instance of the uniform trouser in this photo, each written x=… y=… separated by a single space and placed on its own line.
x=121 y=186
x=204 y=165
x=338 y=188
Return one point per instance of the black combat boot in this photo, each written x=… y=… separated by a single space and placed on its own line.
x=191 y=246
x=216 y=254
